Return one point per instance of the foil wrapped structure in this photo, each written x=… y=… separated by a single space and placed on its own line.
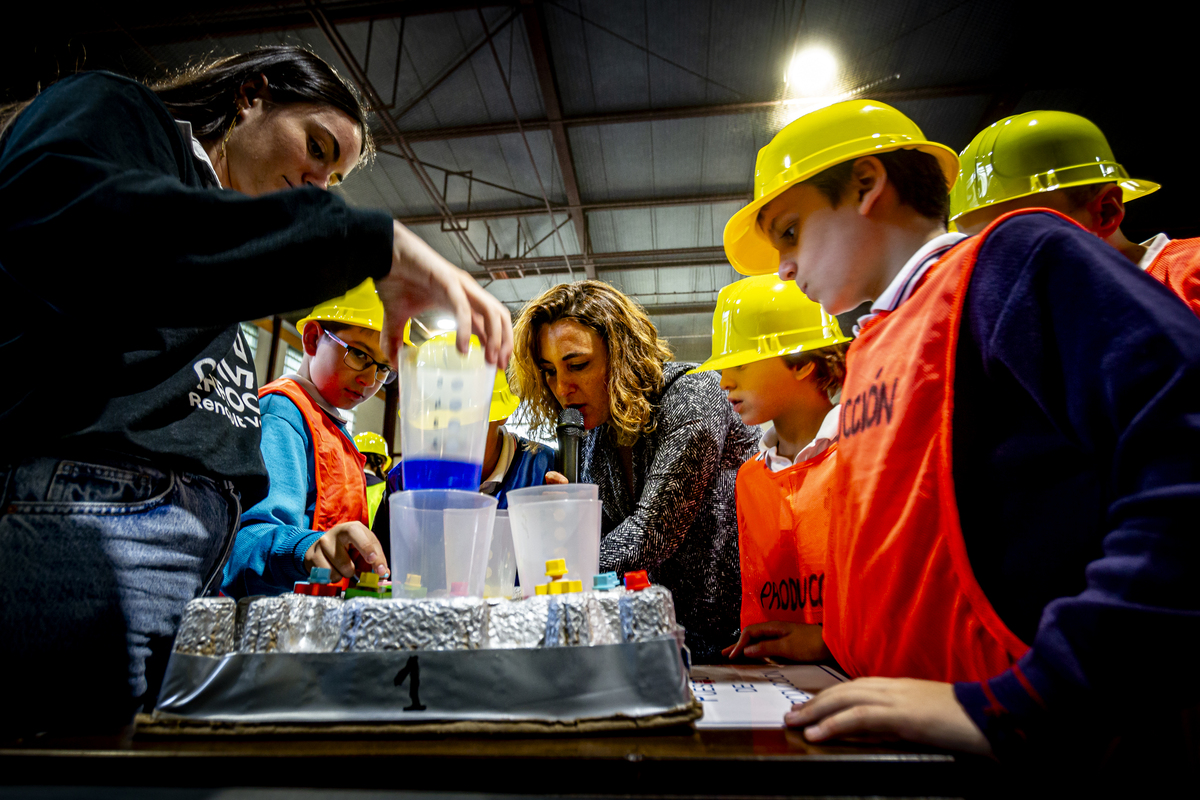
x=647 y=614
x=516 y=624
x=444 y=623
x=567 y=621
x=207 y=627
x=604 y=616
x=291 y=623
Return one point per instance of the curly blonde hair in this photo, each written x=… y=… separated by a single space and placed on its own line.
x=635 y=355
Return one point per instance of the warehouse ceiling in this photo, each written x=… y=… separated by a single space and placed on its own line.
x=541 y=141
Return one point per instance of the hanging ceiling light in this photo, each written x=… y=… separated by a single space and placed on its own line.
x=812 y=71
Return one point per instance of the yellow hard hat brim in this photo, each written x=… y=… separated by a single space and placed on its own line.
x=749 y=357
x=1131 y=189
x=747 y=246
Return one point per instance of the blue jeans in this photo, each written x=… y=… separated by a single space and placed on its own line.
x=97 y=560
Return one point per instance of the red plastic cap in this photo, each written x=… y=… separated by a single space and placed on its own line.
x=637 y=580
x=316 y=589
x=458 y=588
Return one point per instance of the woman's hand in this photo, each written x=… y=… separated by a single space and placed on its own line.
x=421 y=279
x=338 y=547
x=554 y=478
x=791 y=640
x=889 y=709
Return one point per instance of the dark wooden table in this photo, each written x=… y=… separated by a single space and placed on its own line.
x=679 y=761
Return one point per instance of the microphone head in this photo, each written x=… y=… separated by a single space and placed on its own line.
x=570 y=417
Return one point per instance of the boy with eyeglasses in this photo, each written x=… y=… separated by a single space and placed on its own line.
x=316 y=512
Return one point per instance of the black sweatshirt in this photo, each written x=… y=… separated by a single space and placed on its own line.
x=123 y=278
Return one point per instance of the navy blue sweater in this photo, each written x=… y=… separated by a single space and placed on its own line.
x=1077 y=474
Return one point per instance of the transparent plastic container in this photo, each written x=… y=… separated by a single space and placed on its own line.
x=501 y=574
x=563 y=491
x=547 y=529
x=445 y=399
x=442 y=535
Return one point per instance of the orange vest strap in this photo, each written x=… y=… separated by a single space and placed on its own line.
x=341 y=487
x=1178 y=267
x=783 y=533
x=903 y=600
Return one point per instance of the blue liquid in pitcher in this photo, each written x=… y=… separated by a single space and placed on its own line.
x=432 y=473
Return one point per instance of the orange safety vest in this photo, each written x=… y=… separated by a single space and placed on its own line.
x=783 y=533
x=904 y=601
x=1177 y=266
x=341 y=486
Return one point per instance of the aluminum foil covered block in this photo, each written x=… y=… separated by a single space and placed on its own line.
x=513 y=624
x=292 y=623
x=444 y=623
x=647 y=614
x=207 y=627
x=567 y=621
x=604 y=616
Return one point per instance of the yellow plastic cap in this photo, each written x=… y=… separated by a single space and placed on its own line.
x=1038 y=151
x=560 y=587
x=763 y=317
x=360 y=306
x=368 y=580
x=542 y=588
x=574 y=586
x=556 y=567
x=412 y=581
x=371 y=442
x=811 y=144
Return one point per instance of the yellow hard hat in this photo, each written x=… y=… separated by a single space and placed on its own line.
x=360 y=306
x=1035 y=152
x=504 y=402
x=371 y=442
x=763 y=317
x=813 y=143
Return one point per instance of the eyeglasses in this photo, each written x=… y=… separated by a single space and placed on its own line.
x=359 y=361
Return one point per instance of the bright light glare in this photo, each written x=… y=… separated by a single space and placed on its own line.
x=812 y=71
x=445 y=324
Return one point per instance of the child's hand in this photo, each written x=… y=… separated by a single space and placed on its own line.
x=889 y=709
x=790 y=640
x=553 y=478
x=338 y=547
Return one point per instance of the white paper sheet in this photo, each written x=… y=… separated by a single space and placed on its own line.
x=755 y=696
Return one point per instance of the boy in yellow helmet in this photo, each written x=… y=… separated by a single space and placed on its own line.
x=374 y=448
x=1061 y=161
x=781 y=360
x=316 y=512
x=1018 y=478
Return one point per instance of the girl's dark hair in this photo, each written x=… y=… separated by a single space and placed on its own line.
x=206 y=94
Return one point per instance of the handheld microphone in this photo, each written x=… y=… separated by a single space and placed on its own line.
x=570 y=431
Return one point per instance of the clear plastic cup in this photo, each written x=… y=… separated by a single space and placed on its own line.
x=501 y=574
x=561 y=491
x=548 y=529
x=445 y=400
x=442 y=535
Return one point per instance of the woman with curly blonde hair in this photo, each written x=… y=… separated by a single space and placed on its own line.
x=663 y=447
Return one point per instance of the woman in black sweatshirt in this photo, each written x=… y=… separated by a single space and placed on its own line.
x=129 y=420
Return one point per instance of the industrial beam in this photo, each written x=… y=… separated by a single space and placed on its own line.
x=683 y=112
x=616 y=205
x=535 y=28
x=509 y=268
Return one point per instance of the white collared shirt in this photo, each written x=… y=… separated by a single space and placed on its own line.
x=508 y=451
x=906 y=280
x=1153 y=246
x=827 y=434
x=198 y=152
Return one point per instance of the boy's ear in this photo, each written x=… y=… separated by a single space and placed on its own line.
x=804 y=372
x=1107 y=210
x=867 y=180
x=312 y=334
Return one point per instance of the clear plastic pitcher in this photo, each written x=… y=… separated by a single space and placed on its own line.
x=445 y=398
x=501 y=574
x=440 y=541
x=568 y=529
x=553 y=491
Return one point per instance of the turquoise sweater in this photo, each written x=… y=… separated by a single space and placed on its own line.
x=276 y=532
